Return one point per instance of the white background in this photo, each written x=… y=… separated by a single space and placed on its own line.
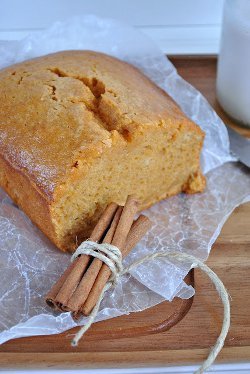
x=178 y=26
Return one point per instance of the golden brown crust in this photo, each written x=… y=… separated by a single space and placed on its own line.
x=28 y=197
x=48 y=99
x=62 y=112
x=195 y=183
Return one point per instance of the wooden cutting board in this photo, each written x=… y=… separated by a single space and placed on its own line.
x=189 y=341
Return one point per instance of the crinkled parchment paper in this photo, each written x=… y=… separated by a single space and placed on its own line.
x=29 y=264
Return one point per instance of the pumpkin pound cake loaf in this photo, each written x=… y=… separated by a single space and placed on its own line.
x=80 y=129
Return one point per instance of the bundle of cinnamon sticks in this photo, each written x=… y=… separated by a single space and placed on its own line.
x=80 y=286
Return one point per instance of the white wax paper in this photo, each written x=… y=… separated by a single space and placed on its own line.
x=29 y=264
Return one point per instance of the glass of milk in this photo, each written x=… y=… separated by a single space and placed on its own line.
x=233 y=73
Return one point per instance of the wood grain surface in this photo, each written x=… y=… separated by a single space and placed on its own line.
x=191 y=339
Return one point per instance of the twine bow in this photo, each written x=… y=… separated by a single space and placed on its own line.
x=112 y=257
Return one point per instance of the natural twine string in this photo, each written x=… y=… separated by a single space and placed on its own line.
x=112 y=256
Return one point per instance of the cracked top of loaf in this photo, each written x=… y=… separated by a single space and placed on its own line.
x=67 y=106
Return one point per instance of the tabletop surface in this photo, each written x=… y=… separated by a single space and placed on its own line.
x=189 y=341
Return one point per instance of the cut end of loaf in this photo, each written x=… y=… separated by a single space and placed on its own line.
x=153 y=165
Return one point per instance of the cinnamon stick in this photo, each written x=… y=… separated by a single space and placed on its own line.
x=103 y=222
x=125 y=223
x=120 y=231
x=83 y=289
x=138 y=230
x=51 y=295
x=72 y=281
x=67 y=283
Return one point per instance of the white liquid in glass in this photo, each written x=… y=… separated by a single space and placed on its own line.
x=233 y=74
